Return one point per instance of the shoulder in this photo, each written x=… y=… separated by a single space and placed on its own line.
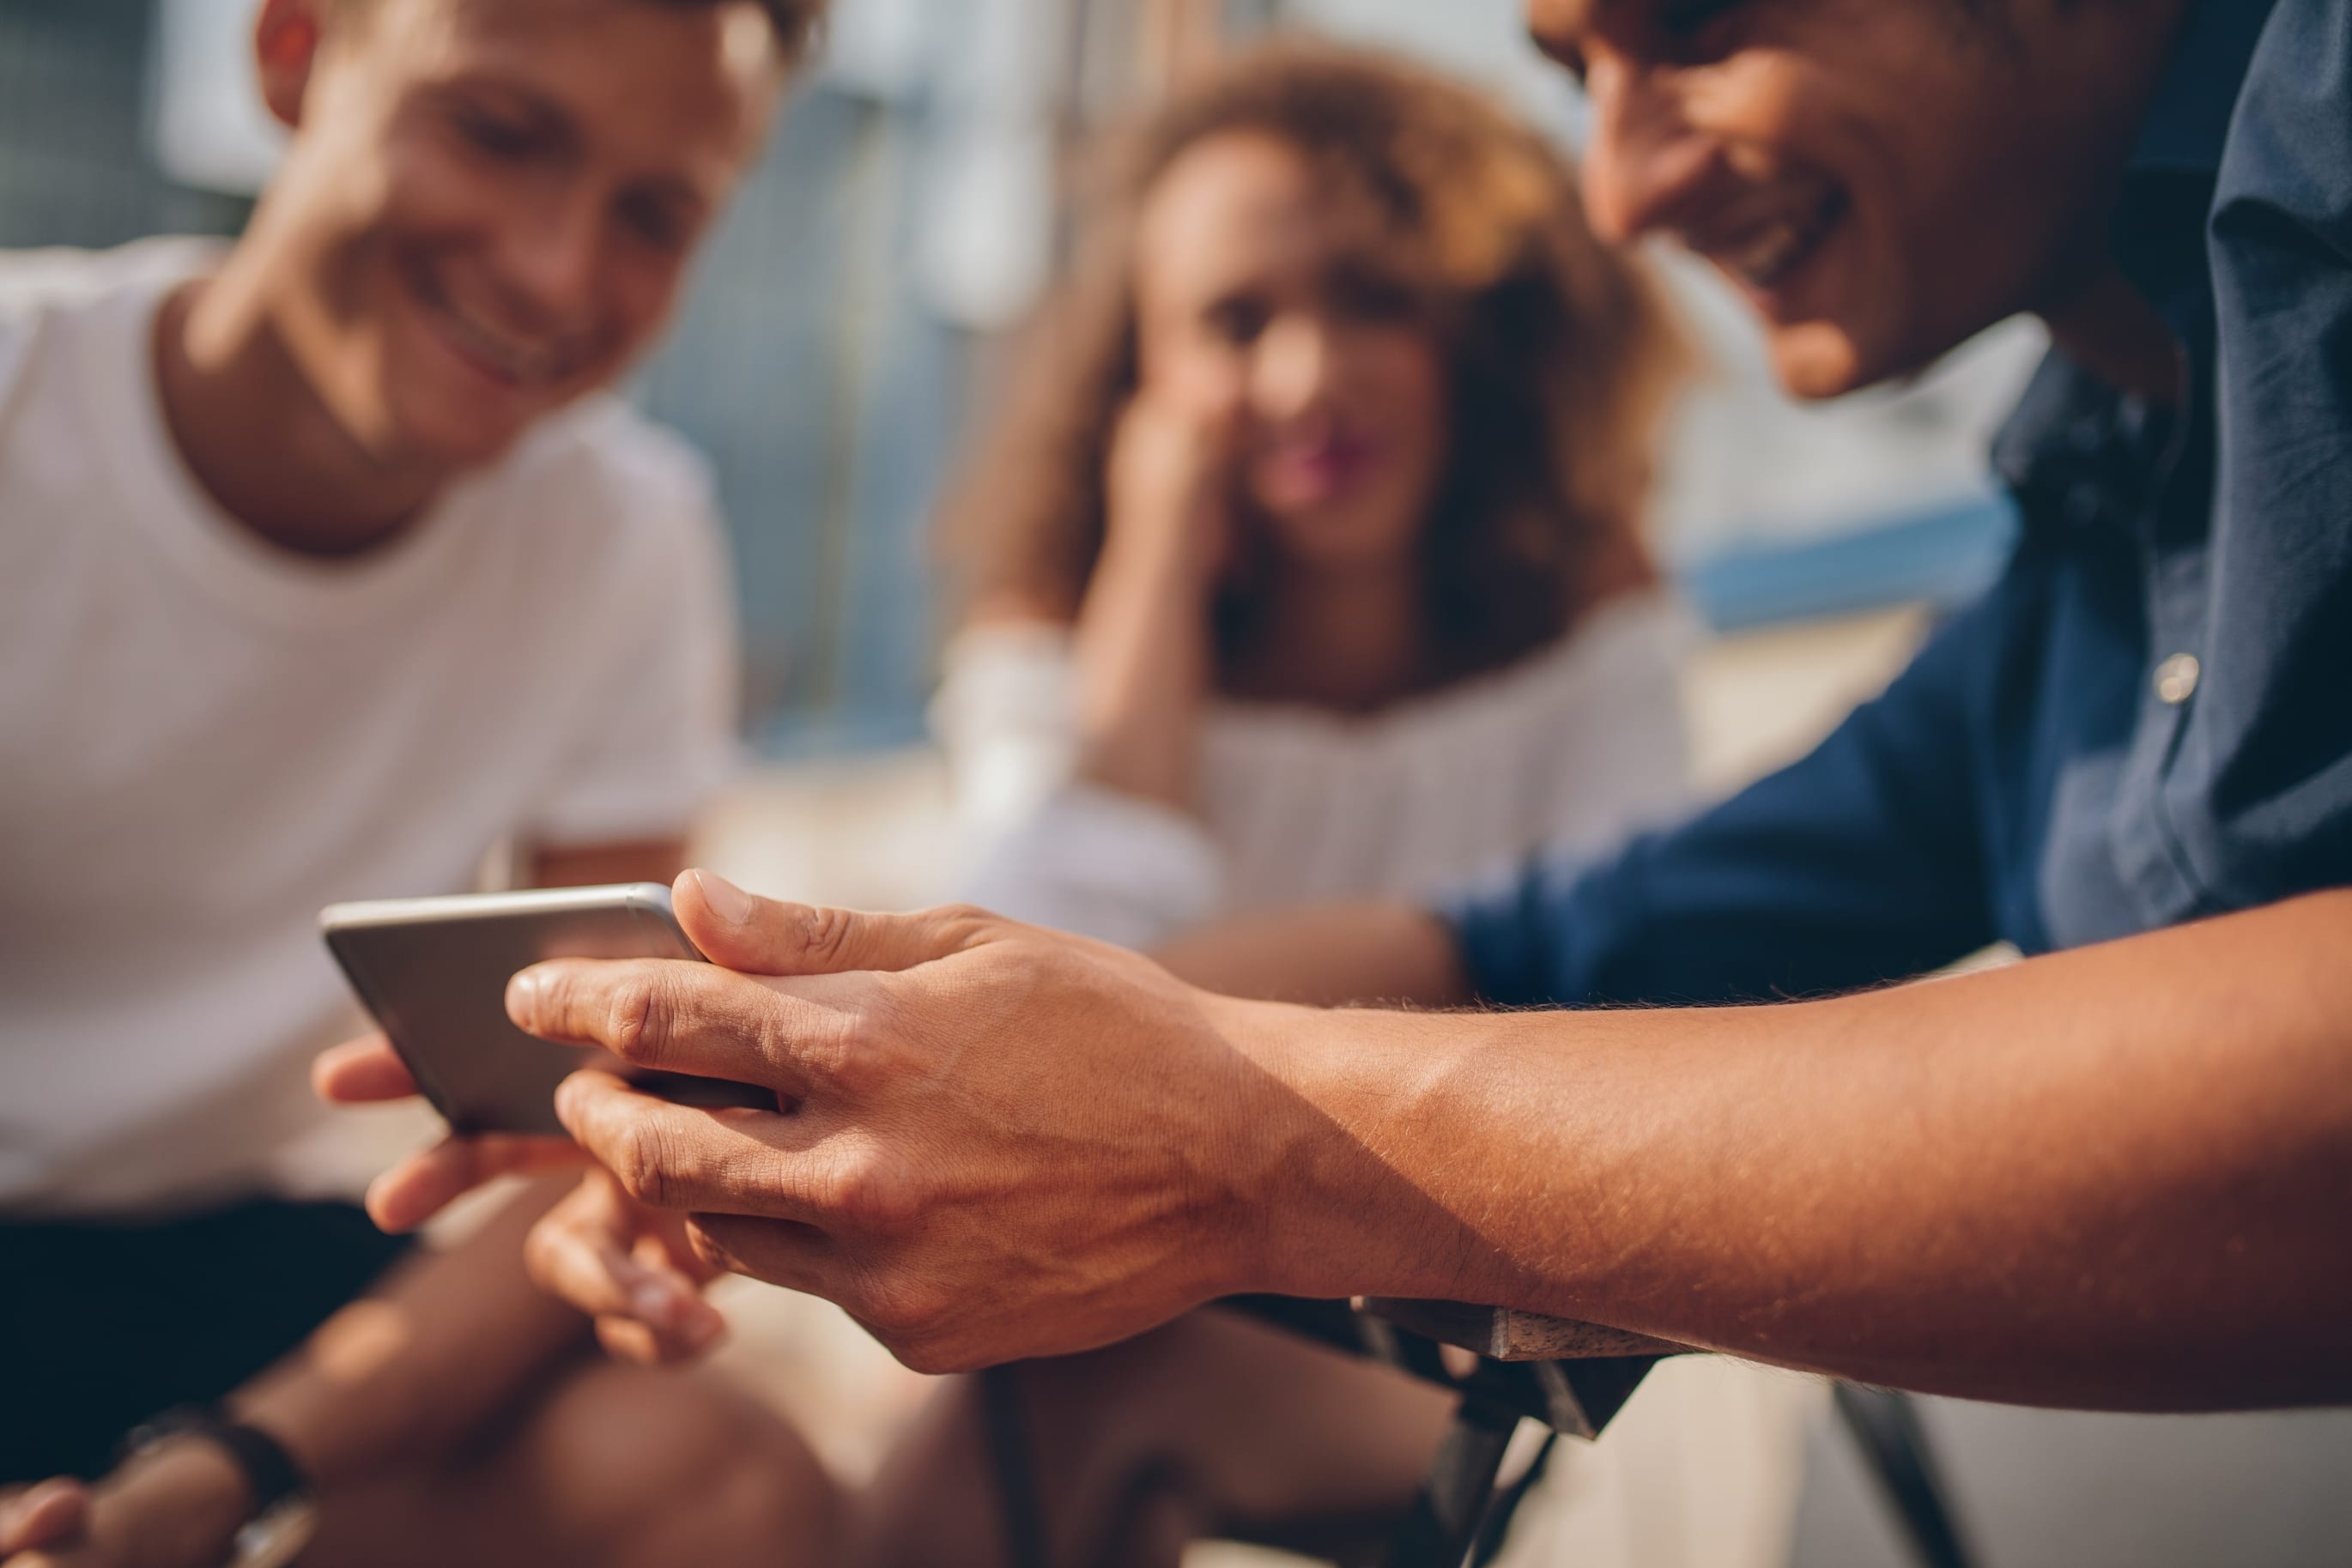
x=41 y=289
x=38 y=283
x=1005 y=677
x=62 y=277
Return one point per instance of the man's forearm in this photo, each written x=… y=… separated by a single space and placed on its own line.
x=2118 y=1177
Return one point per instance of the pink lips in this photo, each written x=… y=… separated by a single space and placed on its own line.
x=1309 y=472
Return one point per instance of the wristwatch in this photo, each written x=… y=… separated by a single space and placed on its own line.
x=284 y=1514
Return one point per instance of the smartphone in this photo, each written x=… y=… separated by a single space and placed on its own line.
x=434 y=971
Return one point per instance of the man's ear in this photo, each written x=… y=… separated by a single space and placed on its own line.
x=286 y=38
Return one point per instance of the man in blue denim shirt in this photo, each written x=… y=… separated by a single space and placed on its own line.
x=2145 y=722
x=2116 y=1175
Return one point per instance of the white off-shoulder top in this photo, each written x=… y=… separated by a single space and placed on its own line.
x=1573 y=744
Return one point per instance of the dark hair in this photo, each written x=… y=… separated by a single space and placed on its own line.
x=1562 y=357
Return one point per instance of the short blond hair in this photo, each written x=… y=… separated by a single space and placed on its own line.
x=796 y=24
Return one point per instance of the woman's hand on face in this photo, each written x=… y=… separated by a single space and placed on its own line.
x=1171 y=490
x=1143 y=645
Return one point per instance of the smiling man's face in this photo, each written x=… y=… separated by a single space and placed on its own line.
x=1882 y=179
x=488 y=206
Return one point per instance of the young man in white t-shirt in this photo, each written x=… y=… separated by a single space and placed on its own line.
x=326 y=565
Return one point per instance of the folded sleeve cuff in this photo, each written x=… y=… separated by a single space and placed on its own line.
x=1107 y=865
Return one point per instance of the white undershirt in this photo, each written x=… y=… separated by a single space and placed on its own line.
x=1573 y=744
x=203 y=739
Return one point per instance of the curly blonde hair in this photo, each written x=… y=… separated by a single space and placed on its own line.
x=1563 y=359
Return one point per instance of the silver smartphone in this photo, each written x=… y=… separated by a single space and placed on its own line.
x=434 y=971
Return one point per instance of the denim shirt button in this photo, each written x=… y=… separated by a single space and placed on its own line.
x=2177 y=678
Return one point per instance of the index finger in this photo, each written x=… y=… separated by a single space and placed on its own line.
x=756 y=1162
x=422 y=1185
x=677 y=1015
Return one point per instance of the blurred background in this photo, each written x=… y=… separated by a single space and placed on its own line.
x=915 y=202
x=912 y=207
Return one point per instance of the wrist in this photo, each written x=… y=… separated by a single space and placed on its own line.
x=1149 y=555
x=184 y=1500
x=199 y=1485
x=1323 y=1208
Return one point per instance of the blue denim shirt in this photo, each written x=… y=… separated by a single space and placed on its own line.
x=2149 y=718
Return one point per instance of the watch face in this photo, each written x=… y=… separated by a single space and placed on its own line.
x=278 y=1535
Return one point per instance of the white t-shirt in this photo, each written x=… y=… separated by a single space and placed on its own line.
x=203 y=739
x=1573 y=744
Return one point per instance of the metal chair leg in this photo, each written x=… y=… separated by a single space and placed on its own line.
x=1894 y=1444
x=1015 y=1461
x=1443 y=1529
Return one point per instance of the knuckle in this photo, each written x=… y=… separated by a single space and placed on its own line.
x=934 y=1358
x=640 y=1017
x=639 y=1162
x=963 y=924
x=825 y=934
x=553 y=998
x=826 y=1044
x=710 y=1249
x=902 y=1313
x=868 y=1195
x=852 y=1046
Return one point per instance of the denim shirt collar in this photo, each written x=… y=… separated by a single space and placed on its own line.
x=2188 y=118
x=2159 y=224
x=2075 y=451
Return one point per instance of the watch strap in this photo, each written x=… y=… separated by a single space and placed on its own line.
x=270 y=1472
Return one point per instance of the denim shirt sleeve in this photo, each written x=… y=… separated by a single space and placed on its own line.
x=1863 y=862
x=2251 y=780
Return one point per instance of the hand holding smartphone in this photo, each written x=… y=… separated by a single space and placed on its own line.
x=434 y=972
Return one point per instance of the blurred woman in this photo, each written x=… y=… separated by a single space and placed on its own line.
x=1307 y=563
